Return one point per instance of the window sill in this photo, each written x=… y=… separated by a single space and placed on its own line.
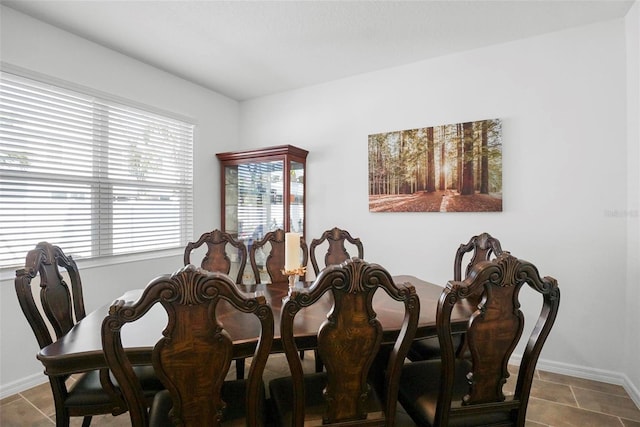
x=9 y=273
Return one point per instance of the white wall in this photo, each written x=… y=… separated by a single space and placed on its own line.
x=41 y=48
x=562 y=98
x=633 y=171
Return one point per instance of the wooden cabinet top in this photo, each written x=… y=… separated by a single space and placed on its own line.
x=295 y=153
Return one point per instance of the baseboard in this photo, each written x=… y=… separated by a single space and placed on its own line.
x=609 y=377
x=22 y=384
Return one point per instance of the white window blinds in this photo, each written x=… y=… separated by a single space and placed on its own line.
x=95 y=177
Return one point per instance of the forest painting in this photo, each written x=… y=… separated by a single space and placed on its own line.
x=447 y=168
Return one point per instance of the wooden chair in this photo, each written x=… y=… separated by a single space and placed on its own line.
x=194 y=354
x=60 y=307
x=348 y=342
x=337 y=251
x=217 y=258
x=274 y=262
x=479 y=248
x=458 y=391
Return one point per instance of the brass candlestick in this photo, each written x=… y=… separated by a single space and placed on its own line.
x=292 y=274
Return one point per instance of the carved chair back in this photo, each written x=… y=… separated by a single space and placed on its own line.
x=217 y=255
x=348 y=342
x=337 y=250
x=58 y=308
x=479 y=248
x=62 y=305
x=482 y=248
x=471 y=390
x=273 y=243
x=194 y=354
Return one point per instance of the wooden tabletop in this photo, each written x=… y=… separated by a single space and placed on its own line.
x=81 y=349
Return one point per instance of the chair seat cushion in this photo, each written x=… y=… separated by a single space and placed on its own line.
x=281 y=392
x=233 y=394
x=429 y=348
x=87 y=390
x=419 y=389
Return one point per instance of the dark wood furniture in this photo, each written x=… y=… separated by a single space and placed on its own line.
x=217 y=256
x=337 y=251
x=61 y=307
x=217 y=259
x=273 y=243
x=262 y=190
x=479 y=248
x=81 y=348
x=194 y=354
x=335 y=254
x=458 y=391
x=348 y=342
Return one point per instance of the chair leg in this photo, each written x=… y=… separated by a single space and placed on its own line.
x=58 y=390
x=301 y=354
x=319 y=364
x=239 y=369
x=86 y=421
x=62 y=419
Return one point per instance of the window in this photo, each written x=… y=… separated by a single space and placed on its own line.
x=91 y=175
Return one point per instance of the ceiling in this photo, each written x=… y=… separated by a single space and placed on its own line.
x=247 y=49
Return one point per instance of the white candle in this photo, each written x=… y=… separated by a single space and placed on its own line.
x=291 y=251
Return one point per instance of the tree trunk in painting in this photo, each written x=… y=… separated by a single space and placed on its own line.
x=477 y=160
x=442 y=184
x=467 y=172
x=459 y=138
x=431 y=164
x=401 y=182
x=484 y=161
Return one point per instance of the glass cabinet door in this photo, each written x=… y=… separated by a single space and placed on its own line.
x=262 y=190
x=296 y=198
x=253 y=199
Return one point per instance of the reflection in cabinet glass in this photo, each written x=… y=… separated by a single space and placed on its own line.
x=263 y=190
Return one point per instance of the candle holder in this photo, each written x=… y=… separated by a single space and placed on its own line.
x=292 y=274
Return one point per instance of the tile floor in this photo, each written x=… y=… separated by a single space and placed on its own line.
x=556 y=400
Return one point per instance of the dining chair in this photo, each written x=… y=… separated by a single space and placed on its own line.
x=217 y=259
x=454 y=391
x=217 y=255
x=336 y=252
x=348 y=342
x=335 y=241
x=56 y=311
x=482 y=247
x=193 y=355
x=273 y=261
x=273 y=243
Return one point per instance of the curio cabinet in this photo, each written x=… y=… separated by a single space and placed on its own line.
x=262 y=190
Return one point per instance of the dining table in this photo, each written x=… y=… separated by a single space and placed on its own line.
x=80 y=350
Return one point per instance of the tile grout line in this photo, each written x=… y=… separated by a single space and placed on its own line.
x=623 y=394
x=575 y=398
x=37 y=409
x=580 y=408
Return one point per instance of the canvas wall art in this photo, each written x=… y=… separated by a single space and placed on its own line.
x=447 y=168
